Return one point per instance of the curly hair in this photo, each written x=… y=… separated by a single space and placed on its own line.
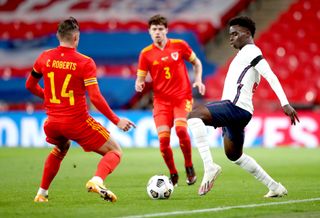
x=158 y=20
x=244 y=21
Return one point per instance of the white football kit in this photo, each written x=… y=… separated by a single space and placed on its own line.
x=244 y=76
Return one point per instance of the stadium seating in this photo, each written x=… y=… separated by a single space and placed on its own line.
x=28 y=27
x=292 y=47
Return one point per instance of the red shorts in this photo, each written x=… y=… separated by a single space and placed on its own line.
x=165 y=111
x=89 y=134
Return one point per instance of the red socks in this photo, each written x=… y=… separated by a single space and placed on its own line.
x=51 y=167
x=185 y=144
x=107 y=164
x=166 y=151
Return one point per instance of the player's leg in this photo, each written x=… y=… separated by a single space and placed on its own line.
x=53 y=161
x=180 y=111
x=97 y=138
x=111 y=153
x=163 y=118
x=166 y=152
x=185 y=146
x=233 y=143
x=197 y=121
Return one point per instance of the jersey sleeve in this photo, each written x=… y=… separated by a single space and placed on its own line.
x=142 y=65
x=264 y=69
x=37 y=66
x=187 y=52
x=90 y=73
x=252 y=52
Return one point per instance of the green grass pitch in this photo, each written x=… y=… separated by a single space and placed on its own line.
x=21 y=169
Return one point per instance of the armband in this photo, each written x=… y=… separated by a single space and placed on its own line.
x=35 y=74
x=141 y=73
x=256 y=60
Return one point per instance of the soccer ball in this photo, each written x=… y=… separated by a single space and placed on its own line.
x=159 y=187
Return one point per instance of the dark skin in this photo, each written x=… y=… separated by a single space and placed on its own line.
x=239 y=37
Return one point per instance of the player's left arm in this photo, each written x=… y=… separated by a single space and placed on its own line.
x=32 y=84
x=102 y=105
x=189 y=55
x=197 y=68
x=264 y=69
x=92 y=87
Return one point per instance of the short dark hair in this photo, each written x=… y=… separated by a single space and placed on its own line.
x=158 y=20
x=67 y=27
x=244 y=21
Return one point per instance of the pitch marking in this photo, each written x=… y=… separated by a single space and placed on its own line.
x=216 y=209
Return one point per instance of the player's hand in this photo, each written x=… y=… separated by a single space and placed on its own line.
x=291 y=112
x=139 y=85
x=125 y=124
x=201 y=87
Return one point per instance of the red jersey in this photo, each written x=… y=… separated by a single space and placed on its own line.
x=167 y=68
x=65 y=72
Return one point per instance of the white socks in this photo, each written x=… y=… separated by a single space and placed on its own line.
x=250 y=165
x=199 y=133
x=42 y=192
x=97 y=179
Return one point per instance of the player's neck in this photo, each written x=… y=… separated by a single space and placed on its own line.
x=249 y=42
x=67 y=45
x=161 y=44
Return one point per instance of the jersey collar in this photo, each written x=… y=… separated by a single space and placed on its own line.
x=66 y=48
x=167 y=45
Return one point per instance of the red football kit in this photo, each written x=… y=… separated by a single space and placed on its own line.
x=67 y=74
x=172 y=95
x=170 y=80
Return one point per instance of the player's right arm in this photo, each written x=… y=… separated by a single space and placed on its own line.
x=140 y=83
x=142 y=72
x=32 y=83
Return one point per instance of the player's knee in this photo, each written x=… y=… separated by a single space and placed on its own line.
x=67 y=145
x=202 y=113
x=193 y=114
x=117 y=149
x=118 y=153
x=64 y=147
x=164 y=143
x=56 y=151
x=233 y=155
x=182 y=132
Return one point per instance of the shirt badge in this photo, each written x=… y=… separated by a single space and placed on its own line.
x=175 y=55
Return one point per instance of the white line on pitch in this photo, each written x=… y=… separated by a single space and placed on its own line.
x=215 y=209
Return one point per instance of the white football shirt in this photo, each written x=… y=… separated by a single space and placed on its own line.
x=243 y=78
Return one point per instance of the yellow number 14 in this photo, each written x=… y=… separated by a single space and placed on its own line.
x=64 y=92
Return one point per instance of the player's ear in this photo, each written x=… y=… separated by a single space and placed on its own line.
x=76 y=37
x=248 y=33
x=58 y=37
